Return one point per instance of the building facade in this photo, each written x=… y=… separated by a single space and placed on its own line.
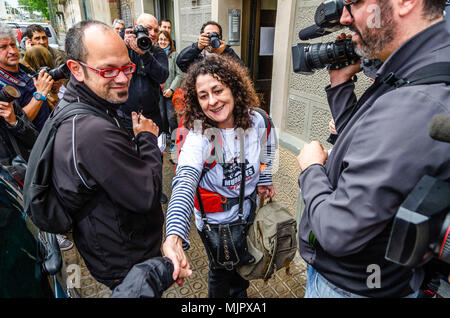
x=262 y=33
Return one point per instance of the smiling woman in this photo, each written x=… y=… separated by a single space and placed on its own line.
x=221 y=189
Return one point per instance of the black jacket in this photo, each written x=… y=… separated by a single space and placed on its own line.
x=152 y=70
x=110 y=185
x=382 y=151
x=23 y=134
x=148 y=279
x=192 y=54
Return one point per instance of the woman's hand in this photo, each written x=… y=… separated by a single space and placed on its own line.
x=173 y=249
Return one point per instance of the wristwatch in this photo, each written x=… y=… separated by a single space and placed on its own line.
x=39 y=96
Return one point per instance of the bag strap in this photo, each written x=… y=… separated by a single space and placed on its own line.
x=429 y=74
x=65 y=110
x=209 y=165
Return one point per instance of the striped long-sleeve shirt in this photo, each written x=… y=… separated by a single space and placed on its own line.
x=224 y=178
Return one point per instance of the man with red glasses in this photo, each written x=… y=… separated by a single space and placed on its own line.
x=109 y=183
x=352 y=194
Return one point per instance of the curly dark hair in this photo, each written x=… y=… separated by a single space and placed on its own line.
x=232 y=74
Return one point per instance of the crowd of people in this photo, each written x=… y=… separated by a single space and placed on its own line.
x=107 y=173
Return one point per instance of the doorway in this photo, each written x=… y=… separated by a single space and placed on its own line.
x=258 y=30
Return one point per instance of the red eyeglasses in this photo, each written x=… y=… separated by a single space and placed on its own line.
x=112 y=72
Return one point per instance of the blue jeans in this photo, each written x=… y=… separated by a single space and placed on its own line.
x=318 y=287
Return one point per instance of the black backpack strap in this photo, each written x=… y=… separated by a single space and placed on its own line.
x=65 y=110
x=429 y=74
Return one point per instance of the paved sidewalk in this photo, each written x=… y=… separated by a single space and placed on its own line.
x=281 y=285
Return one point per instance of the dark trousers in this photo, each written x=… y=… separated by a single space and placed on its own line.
x=223 y=283
x=111 y=284
x=168 y=118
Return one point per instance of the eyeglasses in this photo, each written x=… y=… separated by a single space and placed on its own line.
x=347 y=4
x=112 y=72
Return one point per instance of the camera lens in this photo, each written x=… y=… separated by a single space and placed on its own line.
x=308 y=58
x=61 y=72
x=9 y=93
x=143 y=42
x=214 y=40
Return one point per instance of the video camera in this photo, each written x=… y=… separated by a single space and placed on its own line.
x=58 y=73
x=308 y=58
x=421 y=228
x=143 y=40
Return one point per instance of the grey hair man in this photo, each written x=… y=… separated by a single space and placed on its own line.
x=118 y=25
x=33 y=91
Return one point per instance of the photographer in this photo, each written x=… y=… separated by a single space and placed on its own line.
x=210 y=31
x=352 y=194
x=152 y=71
x=17 y=137
x=33 y=91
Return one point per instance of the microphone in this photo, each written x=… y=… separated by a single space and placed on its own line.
x=440 y=128
x=312 y=32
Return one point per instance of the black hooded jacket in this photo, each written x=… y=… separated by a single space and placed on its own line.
x=110 y=185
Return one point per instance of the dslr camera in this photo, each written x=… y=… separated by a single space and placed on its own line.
x=308 y=58
x=214 y=40
x=58 y=73
x=143 y=40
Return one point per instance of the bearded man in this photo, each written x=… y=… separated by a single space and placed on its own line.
x=353 y=193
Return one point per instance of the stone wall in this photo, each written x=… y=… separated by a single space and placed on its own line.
x=192 y=16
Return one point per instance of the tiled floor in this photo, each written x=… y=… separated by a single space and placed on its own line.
x=280 y=285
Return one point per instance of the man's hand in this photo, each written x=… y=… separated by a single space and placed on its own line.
x=332 y=127
x=7 y=112
x=312 y=153
x=344 y=74
x=266 y=191
x=140 y=124
x=203 y=41
x=220 y=49
x=173 y=249
x=131 y=42
x=28 y=44
x=43 y=83
x=167 y=93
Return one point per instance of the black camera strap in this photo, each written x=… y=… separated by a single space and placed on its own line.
x=11 y=78
x=430 y=74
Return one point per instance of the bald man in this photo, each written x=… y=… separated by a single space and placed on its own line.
x=109 y=184
x=152 y=71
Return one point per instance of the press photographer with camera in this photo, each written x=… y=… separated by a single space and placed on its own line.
x=17 y=133
x=383 y=150
x=209 y=42
x=152 y=70
x=33 y=91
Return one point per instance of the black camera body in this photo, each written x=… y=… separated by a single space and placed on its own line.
x=9 y=93
x=214 y=40
x=421 y=227
x=58 y=73
x=143 y=40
